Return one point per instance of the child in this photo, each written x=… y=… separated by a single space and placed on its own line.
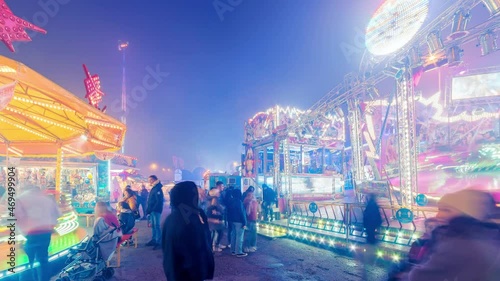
x=106 y=227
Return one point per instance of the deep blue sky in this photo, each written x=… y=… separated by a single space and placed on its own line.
x=222 y=72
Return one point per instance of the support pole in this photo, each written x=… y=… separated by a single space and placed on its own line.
x=405 y=104
x=356 y=140
x=58 y=169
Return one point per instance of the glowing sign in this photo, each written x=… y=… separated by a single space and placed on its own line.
x=93 y=87
x=394 y=24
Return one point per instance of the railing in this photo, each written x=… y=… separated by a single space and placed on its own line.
x=346 y=219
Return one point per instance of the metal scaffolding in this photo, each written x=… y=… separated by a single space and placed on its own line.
x=405 y=107
x=356 y=139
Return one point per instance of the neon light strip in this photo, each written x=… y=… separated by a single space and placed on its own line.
x=39 y=118
x=102 y=123
x=43 y=104
x=103 y=143
x=15 y=151
x=70 y=150
x=27 y=129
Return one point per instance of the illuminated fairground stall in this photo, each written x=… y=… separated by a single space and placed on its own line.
x=58 y=142
x=124 y=172
x=304 y=163
x=423 y=120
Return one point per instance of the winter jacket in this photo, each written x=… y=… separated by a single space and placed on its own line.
x=155 y=199
x=131 y=201
x=235 y=209
x=187 y=247
x=468 y=251
x=269 y=196
x=143 y=195
x=127 y=221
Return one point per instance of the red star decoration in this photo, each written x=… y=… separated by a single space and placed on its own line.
x=12 y=28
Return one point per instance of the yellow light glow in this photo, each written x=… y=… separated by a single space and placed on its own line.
x=153 y=166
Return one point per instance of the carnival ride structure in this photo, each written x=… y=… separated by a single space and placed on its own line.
x=422 y=119
x=301 y=162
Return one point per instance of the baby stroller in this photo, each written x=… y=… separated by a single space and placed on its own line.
x=88 y=262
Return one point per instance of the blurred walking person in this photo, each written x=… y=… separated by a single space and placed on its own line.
x=252 y=209
x=187 y=255
x=154 y=209
x=37 y=214
x=215 y=220
x=469 y=247
x=372 y=220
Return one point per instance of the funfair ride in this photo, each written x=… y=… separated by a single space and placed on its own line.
x=297 y=164
x=423 y=120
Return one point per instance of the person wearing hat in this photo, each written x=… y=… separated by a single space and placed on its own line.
x=469 y=246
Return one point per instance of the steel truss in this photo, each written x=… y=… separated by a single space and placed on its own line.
x=356 y=139
x=407 y=140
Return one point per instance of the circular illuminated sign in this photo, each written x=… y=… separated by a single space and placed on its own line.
x=394 y=24
x=313 y=207
x=404 y=215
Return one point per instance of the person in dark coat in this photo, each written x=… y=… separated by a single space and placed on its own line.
x=226 y=195
x=154 y=210
x=269 y=200
x=187 y=252
x=143 y=200
x=372 y=219
x=237 y=217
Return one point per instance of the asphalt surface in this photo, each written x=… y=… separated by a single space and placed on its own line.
x=279 y=259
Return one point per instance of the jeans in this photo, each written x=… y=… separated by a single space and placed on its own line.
x=37 y=248
x=155 y=225
x=217 y=237
x=267 y=208
x=237 y=238
x=142 y=203
x=229 y=232
x=251 y=235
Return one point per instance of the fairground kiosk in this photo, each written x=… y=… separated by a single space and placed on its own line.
x=57 y=141
x=423 y=120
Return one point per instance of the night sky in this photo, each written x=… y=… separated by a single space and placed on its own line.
x=222 y=68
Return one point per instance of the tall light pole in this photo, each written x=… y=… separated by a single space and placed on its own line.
x=121 y=47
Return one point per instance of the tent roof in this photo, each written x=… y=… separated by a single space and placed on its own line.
x=39 y=116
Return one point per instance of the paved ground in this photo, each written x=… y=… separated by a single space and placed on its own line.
x=280 y=259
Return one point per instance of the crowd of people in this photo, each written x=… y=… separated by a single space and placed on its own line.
x=461 y=243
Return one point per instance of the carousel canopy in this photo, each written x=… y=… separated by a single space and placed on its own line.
x=37 y=117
